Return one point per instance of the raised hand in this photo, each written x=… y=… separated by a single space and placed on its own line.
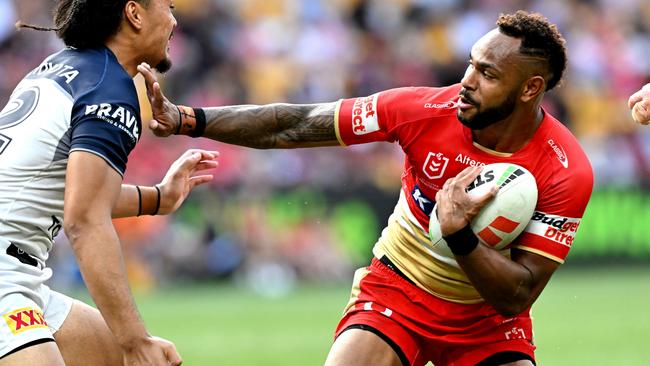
x=639 y=103
x=166 y=116
x=180 y=178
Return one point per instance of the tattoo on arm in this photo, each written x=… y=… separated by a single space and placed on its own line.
x=273 y=126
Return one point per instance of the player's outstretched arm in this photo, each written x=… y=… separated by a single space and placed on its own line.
x=271 y=126
x=639 y=104
x=509 y=285
x=174 y=188
x=92 y=187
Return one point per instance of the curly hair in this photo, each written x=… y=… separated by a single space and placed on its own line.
x=86 y=23
x=540 y=39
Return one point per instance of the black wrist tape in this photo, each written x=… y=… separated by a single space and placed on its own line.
x=199 y=129
x=462 y=242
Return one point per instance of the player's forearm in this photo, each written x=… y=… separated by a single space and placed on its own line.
x=98 y=253
x=273 y=126
x=133 y=203
x=506 y=285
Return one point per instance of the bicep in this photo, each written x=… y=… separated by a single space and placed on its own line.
x=92 y=187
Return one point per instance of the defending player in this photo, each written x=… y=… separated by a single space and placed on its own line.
x=639 y=104
x=64 y=139
x=413 y=305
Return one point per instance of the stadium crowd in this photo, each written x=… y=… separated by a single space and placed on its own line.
x=314 y=214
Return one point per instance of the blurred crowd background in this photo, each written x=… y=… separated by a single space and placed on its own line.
x=272 y=218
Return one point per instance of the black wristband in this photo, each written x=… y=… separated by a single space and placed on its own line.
x=155 y=212
x=199 y=129
x=139 y=201
x=463 y=241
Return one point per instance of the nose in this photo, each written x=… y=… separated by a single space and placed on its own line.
x=469 y=80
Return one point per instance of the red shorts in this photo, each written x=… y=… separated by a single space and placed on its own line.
x=426 y=328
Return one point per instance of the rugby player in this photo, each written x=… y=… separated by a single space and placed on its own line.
x=639 y=104
x=413 y=304
x=65 y=135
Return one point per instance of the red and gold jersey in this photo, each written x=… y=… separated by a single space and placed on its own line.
x=437 y=147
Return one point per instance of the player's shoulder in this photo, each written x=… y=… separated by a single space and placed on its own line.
x=409 y=104
x=84 y=72
x=427 y=97
x=564 y=173
x=564 y=150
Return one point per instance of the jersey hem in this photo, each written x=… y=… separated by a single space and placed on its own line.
x=101 y=156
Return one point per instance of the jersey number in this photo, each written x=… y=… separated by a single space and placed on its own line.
x=17 y=110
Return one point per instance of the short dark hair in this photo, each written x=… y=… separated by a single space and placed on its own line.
x=539 y=38
x=86 y=23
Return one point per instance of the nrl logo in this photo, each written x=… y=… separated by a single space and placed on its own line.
x=435 y=165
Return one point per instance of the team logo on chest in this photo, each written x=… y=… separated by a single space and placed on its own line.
x=435 y=165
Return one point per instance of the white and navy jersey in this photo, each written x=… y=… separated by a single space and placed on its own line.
x=75 y=100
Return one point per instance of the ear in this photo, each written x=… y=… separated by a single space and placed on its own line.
x=533 y=87
x=133 y=14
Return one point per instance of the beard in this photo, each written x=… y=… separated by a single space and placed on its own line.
x=489 y=116
x=164 y=65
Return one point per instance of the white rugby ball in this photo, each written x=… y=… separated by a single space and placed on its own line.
x=502 y=219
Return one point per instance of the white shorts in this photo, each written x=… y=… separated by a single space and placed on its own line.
x=30 y=310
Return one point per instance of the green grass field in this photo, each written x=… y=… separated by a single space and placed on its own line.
x=585 y=317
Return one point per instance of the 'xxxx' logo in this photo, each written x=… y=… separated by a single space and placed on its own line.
x=24 y=319
x=500 y=223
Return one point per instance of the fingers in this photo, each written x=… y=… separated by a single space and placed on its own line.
x=172 y=354
x=463 y=179
x=635 y=98
x=201 y=179
x=641 y=113
x=483 y=199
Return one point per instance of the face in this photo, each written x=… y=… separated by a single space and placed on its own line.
x=160 y=24
x=492 y=81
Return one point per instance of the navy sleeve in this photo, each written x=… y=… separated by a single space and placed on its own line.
x=107 y=123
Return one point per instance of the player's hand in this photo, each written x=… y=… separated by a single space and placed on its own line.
x=639 y=104
x=166 y=117
x=456 y=208
x=180 y=178
x=151 y=351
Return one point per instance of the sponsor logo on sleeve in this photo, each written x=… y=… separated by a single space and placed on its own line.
x=24 y=319
x=559 y=152
x=444 y=105
x=559 y=229
x=116 y=115
x=364 y=115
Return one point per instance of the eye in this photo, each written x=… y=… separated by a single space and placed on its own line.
x=487 y=75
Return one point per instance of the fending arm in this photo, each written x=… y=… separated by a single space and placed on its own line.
x=271 y=126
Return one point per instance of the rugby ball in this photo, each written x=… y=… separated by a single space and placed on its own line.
x=504 y=217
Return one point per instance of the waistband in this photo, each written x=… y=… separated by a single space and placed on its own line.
x=390 y=265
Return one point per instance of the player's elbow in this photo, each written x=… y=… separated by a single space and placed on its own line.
x=74 y=229
x=511 y=306
x=77 y=227
x=510 y=310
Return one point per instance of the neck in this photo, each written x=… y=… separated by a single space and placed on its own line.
x=124 y=54
x=512 y=133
